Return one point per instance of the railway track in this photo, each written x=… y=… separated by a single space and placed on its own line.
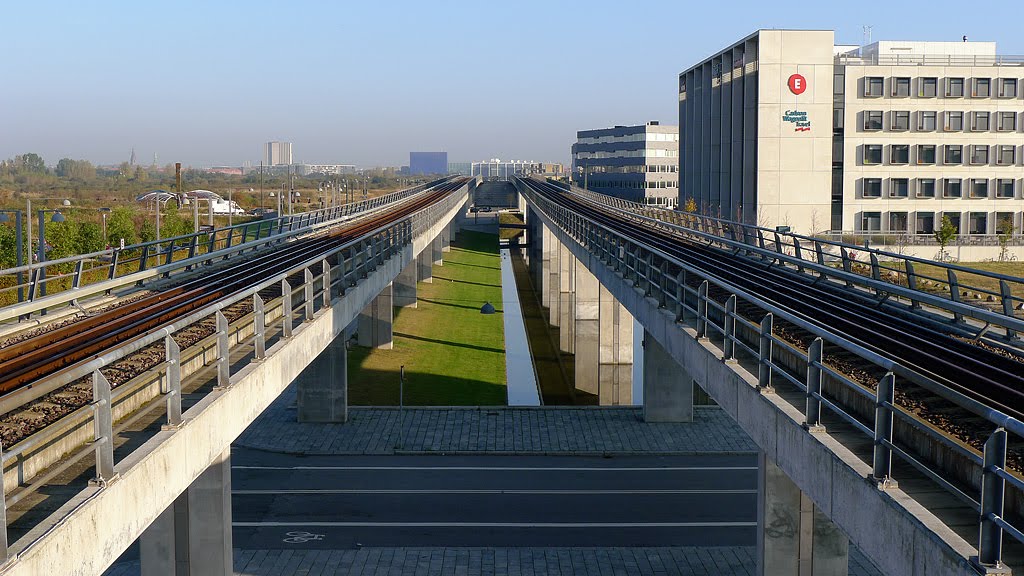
x=29 y=360
x=994 y=379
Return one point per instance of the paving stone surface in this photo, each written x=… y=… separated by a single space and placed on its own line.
x=720 y=561
x=544 y=430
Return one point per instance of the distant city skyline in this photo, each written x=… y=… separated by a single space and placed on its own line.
x=365 y=83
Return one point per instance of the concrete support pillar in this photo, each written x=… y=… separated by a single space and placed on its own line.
x=405 y=287
x=446 y=239
x=668 y=387
x=566 y=295
x=438 y=248
x=456 y=224
x=322 y=394
x=192 y=537
x=616 y=351
x=587 y=330
x=794 y=537
x=375 y=321
x=547 y=244
x=554 y=281
x=425 y=265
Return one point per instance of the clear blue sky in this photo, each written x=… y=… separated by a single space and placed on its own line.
x=206 y=83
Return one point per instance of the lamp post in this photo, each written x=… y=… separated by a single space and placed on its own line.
x=19 y=246
x=103 y=217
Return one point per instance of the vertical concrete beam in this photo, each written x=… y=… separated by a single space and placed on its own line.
x=668 y=387
x=446 y=239
x=158 y=550
x=566 y=294
x=615 y=374
x=375 y=322
x=547 y=244
x=794 y=537
x=425 y=265
x=209 y=520
x=587 y=330
x=405 y=287
x=438 y=247
x=322 y=394
x=554 y=281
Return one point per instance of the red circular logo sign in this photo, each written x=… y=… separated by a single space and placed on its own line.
x=797 y=84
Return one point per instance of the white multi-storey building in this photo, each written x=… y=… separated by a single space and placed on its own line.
x=786 y=128
x=277 y=153
x=638 y=163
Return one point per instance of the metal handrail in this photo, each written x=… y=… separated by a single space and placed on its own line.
x=875 y=59
x=617 y=252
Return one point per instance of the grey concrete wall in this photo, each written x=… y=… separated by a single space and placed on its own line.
x=322 y=388
x=897 y=533
x=106 y=520
x=375 y=321
x=668 y=387
x=587 y=331
x=404 y=289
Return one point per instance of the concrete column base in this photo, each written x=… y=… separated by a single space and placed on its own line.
x=192 y=537
x=322 y=394
x=438 y=249
x=425 y=265
x=794 y=537
x=668 y=387
x=375 y=322
x=405 y=287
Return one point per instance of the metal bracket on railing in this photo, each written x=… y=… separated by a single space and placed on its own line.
x=729 y=342
x=764 y=368
x=993 y=491
x=286 y=308
x=325 y=280
x=223 y=352
x=103 y=422
x=912 y=283
x=702 y=310
x=307 y=292
x=812 y=410
x=680 y=294
x=954 y=293
x=259 y=327
x=1007 y=297
x=173 y=382
x=881 y=461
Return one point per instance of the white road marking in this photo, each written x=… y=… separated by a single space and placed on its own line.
x=505 y=468
x=496 y=524
x=492 y=491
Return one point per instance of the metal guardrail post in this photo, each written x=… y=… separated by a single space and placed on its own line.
x=223 y=352
x=325 y=279
x=798 y=252
x=1007 y=298
x=702 y=310
x=680 y=294
x=307 y=290
x=286 y=308
x=847 y=264
x=76 y=282
x=954 y=293
x=993 y=491
x=912 y=282
x=881 y=461
x=144 y=258
x=876 y=272
x=103 y=422
x=193 y=247
x=764 y=369
x=114 y=259
x=259 y=327
x=812 y=411
x=173 y=352
x=729 y=342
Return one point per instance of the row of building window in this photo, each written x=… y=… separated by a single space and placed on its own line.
x=952 y=154
x=641 y=137
x=633 y=169
x=952 y=121
x=633 y=184
x=648 y=153
x=1002 y=188
x=927 y=222
x=933 y=86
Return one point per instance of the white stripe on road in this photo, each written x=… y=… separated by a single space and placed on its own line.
x=494 y=524
x=513 y=491
x=505 y=468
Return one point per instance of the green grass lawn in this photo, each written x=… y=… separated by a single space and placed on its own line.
x=453 y=355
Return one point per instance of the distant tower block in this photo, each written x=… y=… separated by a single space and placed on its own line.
x=131 y=160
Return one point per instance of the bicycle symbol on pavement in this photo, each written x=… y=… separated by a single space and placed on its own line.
x=300 y=537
